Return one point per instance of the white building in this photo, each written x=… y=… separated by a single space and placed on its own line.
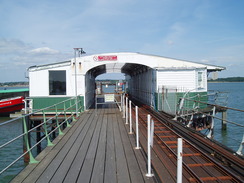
x=147 y=77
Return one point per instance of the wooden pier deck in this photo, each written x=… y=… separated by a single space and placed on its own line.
x=97 y=148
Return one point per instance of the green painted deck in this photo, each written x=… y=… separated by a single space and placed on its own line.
x=97 y=148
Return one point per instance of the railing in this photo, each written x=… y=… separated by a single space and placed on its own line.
x=68 y=114
x=131 y=114
x=167 y=99
x=108 y=98
x=218 y=97
x=212 y=113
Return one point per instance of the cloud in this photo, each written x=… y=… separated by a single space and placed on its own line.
x=8 y=46
x=205 y=61
x=16 y=52
x=43 y=51
x=16 y=56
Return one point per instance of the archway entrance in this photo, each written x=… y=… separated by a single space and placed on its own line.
x=137 y=78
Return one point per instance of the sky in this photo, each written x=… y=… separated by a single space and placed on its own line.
x=46 y=31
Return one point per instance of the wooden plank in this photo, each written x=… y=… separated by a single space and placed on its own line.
x=25 y=172
x=97 y=149
x=134 y=169
x=49 y=171
x=61 y=172
x=86 y=171
x=122 y=168
x=141 y=159
x=98 y=170
x=47 y=167
x=42 y=157
x=110 y=163
x=73 y=173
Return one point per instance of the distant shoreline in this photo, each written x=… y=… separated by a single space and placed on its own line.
x=6 y=86
x=225 y=81
x=229 y=80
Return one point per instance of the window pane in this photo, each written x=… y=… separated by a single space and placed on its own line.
x=57 y=82
x=200 y=79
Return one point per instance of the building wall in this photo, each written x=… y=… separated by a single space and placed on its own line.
x=38 y=83
x=144 y=86
x=39 y=86
x=182 y=80
x=172 y=85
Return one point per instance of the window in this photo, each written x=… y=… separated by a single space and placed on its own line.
x=57 y=82
x=200 y=79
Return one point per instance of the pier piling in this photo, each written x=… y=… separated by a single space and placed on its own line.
x=224 y=118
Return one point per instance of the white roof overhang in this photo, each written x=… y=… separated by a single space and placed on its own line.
x=128 y=63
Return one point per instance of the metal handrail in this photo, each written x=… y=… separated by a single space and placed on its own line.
x=223 y=107
x=27 y=131
x=239 y=151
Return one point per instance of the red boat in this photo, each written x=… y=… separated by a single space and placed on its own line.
x=10 y=105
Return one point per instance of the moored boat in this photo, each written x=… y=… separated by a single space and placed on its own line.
x=10 y=105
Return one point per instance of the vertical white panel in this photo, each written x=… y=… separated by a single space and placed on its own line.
x=39 y=83
x=177 y=78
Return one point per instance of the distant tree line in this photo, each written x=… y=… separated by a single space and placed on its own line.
x=229 y=79
x=19 y=83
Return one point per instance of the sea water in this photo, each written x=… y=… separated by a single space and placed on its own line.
x=232 y=136
x=12 y=151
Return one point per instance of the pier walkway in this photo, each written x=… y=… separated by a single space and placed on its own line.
x=97 y=148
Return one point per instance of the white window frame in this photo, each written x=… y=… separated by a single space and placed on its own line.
x=200 y=81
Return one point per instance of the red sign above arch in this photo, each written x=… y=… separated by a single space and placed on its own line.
x=105 y=58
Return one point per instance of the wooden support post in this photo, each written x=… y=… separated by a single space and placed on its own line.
x=28 y=158
x=45 y=126
x=25 y=141
x=53 y=127
x=38 y=137
x=224 y=118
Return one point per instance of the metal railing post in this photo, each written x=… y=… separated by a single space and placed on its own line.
x=152 y=132
x=210 y=134
x=179 y=161
x=123 y=105
x=65 y=116
x=120 y=103
x=26 y=142
x=71 y=111
x=137 y=130
x=126 y=111
x=239 y=151
x=77 y=106
x=57 y=123
x=49 y=143
x=149 y=169
x=130 y=118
